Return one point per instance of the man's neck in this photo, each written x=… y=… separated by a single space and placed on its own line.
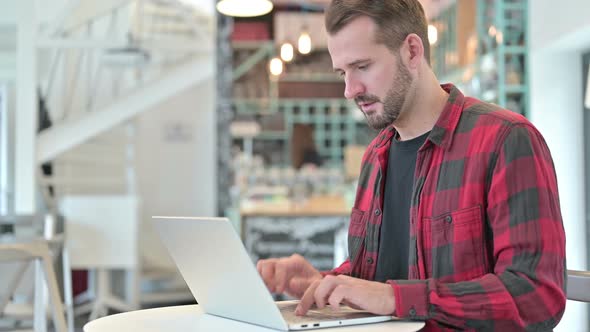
x=424 y=109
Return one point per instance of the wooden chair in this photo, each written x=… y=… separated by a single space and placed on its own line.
x=38 y=252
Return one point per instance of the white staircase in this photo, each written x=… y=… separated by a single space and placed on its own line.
x=99 y=65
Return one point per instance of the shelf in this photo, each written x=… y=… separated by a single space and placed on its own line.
x=515 y=6
x=456 y=75
x=310 y=77
x=515 y=89
x=515 y=49
x=272 y=135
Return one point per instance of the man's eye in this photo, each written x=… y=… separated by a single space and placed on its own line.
x=363 y=67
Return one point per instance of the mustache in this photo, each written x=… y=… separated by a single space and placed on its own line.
x=366 y=99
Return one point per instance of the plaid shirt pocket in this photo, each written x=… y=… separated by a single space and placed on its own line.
x=454 y=245
x=356 y=237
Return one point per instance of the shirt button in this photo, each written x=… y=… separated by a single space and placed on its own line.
x=448 y=218
x=377 y=212
x=412 y=312
x=370 y=260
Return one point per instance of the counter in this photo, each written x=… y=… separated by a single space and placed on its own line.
x=315 y=229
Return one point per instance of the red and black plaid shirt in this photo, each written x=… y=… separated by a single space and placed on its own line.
x=487 y=244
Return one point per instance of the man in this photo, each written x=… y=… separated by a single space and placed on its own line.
x=456 y=218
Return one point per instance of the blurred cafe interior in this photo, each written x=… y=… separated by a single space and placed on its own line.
x=115 y=111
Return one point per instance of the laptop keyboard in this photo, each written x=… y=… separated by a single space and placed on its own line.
x=316 y=314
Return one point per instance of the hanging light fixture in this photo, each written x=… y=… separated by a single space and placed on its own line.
x=304 y=42
x=287 y=52
x=242 y=8
x=276 y=66
x=492 y=31
x=432 y=34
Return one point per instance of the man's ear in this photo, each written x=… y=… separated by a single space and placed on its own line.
x=414 y=51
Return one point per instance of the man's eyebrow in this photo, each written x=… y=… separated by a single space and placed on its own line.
x=352 y=64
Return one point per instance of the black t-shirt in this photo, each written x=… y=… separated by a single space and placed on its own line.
x=392 y=261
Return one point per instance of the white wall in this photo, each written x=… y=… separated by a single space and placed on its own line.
x=207 y=7
x=560 y=32
x=551 y=22
x=176 y=175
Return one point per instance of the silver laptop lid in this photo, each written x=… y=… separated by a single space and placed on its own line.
x=218 y=270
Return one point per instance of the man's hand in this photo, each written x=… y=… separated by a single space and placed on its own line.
x=375 y=297
x=292 y=275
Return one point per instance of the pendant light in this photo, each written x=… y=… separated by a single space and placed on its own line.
x=287 y=52
x=432 y=34
x=304 y=42
x=243 y=8
x=276 y=66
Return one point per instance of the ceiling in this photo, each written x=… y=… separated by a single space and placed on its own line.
x=431 y=7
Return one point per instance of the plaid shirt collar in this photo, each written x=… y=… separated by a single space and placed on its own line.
x=443 y=130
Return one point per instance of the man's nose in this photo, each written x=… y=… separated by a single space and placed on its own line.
x=353 y=88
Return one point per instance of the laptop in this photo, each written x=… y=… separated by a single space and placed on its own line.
x=224 y=281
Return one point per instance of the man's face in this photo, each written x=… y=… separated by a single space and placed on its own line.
x=375 y=78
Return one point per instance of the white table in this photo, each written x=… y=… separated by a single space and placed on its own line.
x=192 y=318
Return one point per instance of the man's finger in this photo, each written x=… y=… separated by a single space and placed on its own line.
x=352 y=305
x=281 y=275
x=324 y=289
x=338 y=296
x=307 y=300
x=261 y=264
x=267 y=272
x=298 y=286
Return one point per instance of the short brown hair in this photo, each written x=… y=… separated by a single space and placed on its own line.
x=395 y=19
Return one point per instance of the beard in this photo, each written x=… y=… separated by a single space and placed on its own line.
x=392 y=103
